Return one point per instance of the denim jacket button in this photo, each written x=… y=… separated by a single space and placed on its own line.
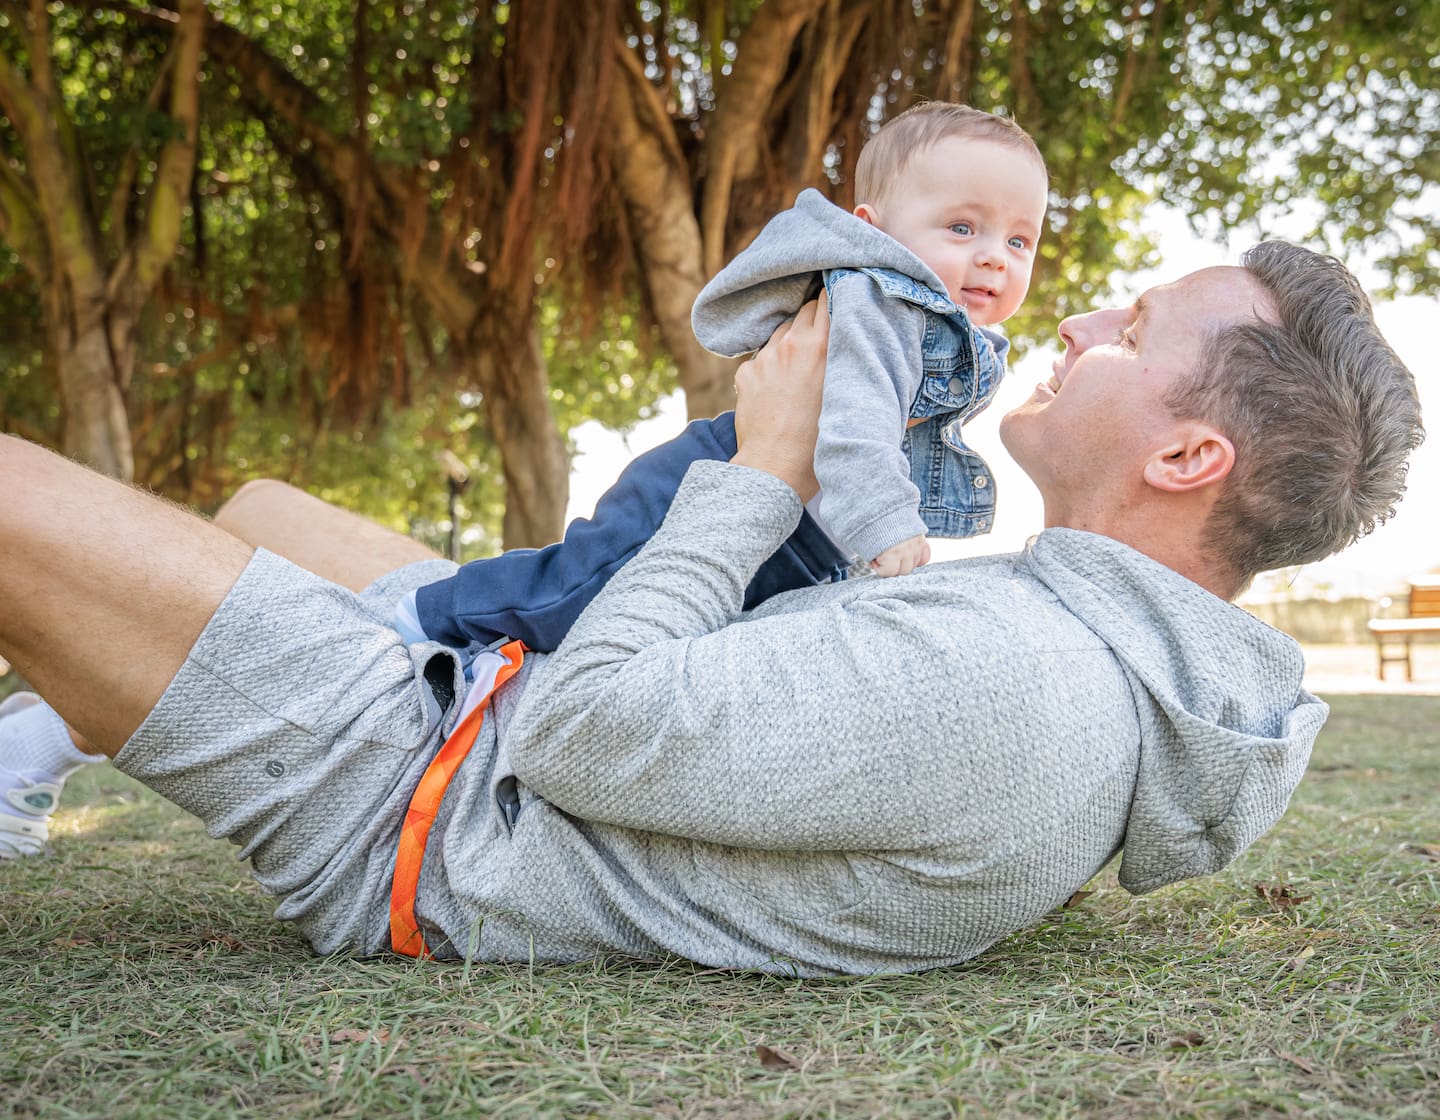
x=955 y=385
x=981 y=482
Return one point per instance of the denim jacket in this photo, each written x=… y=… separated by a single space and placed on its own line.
x=961 y=367
x=899 y=350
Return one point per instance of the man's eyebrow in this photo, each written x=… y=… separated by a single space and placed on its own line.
x=1142 y=308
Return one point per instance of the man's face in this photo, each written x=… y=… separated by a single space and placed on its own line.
x=1085 y=435
x=972 y=210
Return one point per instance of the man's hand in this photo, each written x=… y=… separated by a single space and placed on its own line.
x=903 y=558
x=777 y=401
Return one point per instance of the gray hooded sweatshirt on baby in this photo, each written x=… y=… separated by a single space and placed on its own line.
x=873 y=365
x=880 y=774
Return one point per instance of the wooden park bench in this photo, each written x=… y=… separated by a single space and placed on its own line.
x=1394 y=635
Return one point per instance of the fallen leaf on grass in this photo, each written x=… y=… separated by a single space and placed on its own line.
x=350 y=1034
x=1297 y=1061
x=1300 y=959
x=71 y=942
x=1187 y=1040
x=1428 y=851
x=216 y=938
x=1076 y=899
x=772 y=1057
x=1279 y=895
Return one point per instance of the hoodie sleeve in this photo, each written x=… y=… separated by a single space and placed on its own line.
x=666 y=711
x=768 y=281
x=872 y=373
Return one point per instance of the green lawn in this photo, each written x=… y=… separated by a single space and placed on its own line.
x=142 y=976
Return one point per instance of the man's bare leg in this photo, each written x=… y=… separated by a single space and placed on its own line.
x=103 y=589
x=335 y=544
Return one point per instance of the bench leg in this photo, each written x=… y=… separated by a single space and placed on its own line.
x=1385 y=658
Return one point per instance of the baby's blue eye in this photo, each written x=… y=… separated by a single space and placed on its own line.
x=962 y=228
x=1017 y=243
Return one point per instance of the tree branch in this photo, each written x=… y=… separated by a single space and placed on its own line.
x=955 y=70
x=811 y=122
x=20 y=221
x=1126 y=87
x=57 y=195
x=130 y=167
x=1022 y=81
x=734 y=131
x=150 y=252
x=269 y=83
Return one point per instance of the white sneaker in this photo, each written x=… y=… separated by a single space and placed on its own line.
x=28 y=797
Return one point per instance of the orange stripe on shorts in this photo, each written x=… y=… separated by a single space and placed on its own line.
x=405 y=935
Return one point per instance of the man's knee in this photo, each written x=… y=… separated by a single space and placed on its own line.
x=258 y=493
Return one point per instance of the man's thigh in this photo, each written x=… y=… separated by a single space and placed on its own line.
x=103 y=588
x=297 y=728
x=341 y=546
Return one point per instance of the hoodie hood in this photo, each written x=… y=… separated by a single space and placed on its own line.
x=1226 y=726
x=740 y=308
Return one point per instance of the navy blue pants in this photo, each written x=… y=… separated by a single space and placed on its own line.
x=536 y=594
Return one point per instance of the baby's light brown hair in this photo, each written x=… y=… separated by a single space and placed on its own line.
x=883 y=159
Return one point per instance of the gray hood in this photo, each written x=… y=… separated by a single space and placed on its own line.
x=741 y=307
x=1226 y=727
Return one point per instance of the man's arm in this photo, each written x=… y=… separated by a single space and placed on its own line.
x=661 y=712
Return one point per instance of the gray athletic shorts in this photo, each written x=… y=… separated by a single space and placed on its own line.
x=298 y=727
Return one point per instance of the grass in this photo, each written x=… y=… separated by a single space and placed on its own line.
x=141 y=975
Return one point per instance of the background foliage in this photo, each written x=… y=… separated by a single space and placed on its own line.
x=416 y=225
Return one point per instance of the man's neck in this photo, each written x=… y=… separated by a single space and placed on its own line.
x=1170 y=533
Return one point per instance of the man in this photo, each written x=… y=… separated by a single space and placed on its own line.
x=872 y=775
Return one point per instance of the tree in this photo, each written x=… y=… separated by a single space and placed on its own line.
x=723 y=112
x=382 y=170
x=97 y=241
x=401 y=205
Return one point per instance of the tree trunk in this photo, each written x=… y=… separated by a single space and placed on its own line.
x=510 y=368
x=660 y=205
x=92 y=351
x=95 y=427
x=49 y=213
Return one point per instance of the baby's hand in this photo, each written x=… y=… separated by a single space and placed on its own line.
x=903 y=558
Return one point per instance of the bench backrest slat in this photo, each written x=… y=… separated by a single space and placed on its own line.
x=1425 y=599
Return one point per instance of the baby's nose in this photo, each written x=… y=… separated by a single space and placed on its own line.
x=991 y=256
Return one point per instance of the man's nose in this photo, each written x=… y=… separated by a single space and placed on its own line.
x=1080 y=332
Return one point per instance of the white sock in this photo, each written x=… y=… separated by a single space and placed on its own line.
x=35 y=743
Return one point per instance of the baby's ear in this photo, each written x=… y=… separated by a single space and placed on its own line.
x=867 y=213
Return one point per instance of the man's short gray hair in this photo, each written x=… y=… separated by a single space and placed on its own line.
x=1322 y=413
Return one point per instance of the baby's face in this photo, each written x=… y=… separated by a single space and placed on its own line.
x=972 y=210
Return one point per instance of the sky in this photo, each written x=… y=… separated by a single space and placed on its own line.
x=1406 y=545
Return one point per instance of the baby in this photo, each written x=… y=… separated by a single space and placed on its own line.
x=951 y=205
x=938 y=250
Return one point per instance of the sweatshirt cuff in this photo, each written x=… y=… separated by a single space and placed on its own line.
x=737 y=512
x=885 y=532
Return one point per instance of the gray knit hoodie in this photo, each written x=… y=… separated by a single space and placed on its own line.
x=872 y=775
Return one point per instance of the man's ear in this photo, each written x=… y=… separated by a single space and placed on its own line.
x=867 y=213
x=1200 y=457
